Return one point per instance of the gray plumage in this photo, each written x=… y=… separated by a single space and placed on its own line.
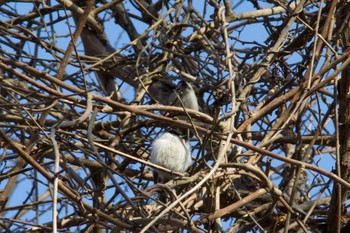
x=187 y=96
x=172 y=152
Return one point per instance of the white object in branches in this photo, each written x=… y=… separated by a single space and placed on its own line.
x=172 y=152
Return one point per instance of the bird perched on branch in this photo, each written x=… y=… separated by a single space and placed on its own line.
x=172 y=152
x=186 y=94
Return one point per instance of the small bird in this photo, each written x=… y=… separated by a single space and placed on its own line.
x=184 y=96
x=172 y=152
x=187 y=96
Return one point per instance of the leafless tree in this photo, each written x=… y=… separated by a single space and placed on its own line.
x=80 y=108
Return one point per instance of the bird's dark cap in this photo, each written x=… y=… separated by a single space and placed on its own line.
x=176 y=132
